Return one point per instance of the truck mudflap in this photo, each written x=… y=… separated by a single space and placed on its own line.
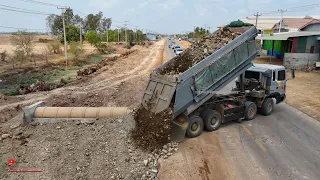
x=178 y=131
x=160 y=90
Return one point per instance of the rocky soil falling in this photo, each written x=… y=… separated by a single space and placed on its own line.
x=199 y=51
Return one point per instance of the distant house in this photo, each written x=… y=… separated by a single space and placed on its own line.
x=151 y=37
x=266 y=22
x=296 y=48
x=294 y=24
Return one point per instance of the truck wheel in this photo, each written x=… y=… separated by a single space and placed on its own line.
x=250 y=110
x=212 y=119
x=267 y=106
x=195 y=126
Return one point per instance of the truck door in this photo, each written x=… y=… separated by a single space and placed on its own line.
x=278 y=84
x=281 y=79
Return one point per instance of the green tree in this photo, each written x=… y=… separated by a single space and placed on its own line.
x=55 y=23
x=72 y=34
x=92 y=21
x=92 y=37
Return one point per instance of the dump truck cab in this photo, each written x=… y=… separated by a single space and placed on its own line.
x=277 y=87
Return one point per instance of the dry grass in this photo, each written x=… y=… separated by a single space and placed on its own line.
x=303 y=93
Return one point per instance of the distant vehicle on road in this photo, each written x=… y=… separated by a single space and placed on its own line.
x=176 y=47
x=179 y=39
x=173 y=45
x=178 y=51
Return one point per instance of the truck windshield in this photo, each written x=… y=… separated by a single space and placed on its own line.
x=252 y=74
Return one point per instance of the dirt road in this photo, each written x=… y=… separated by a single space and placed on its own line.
x=284 y=145
x=98 y=150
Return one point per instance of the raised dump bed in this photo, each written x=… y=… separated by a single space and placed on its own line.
x=188 y=90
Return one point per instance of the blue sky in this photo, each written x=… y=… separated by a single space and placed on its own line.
x=164 y=16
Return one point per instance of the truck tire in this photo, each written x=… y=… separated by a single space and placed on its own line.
x=212 y=119
x=267 y=107
x=195 y=126
x=250 y=110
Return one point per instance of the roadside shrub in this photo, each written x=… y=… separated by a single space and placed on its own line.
x=77 y=52
x=127 y=46
x=18 y=56
x=23 y=40
x=72 y=34
x=3 y=55
x=54 y=47
x=41 y=40
x=110 y=49
x=94 y=40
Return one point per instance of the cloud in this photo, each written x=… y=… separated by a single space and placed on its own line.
x=201 y=10
x=129 y=11
x=242 y=11
x=104 y=3
x=170 y=4
x=146 y=3
x=143 y=4
x=223 y=9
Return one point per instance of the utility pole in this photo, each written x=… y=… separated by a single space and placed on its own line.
x=136 y=32
x=205 y=26
x=63 y=9
x=125 y=25
x=80 y=26
x=80 y=36
x=118 y=33
x=107 y=35
x=209 y=29
x=281 y=11
x=257 y=15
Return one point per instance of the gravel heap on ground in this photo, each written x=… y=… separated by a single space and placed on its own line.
x=199 y=51
x=100 y=149
x=151 y=130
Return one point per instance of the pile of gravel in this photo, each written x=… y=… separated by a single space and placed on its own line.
x=199 y=51
x=152 y=131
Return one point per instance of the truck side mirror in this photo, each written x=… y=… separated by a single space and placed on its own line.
x=293 y=75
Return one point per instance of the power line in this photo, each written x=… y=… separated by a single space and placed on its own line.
x=21 y=9
x=295 y=9
x=43 y=3
x=27 y=12
x=9 y=27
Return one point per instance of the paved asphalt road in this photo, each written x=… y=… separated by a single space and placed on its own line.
x=170 y=51
x=284 y=145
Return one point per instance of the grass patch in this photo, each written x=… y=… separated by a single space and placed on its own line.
x=11 y=86
x=95 y=59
